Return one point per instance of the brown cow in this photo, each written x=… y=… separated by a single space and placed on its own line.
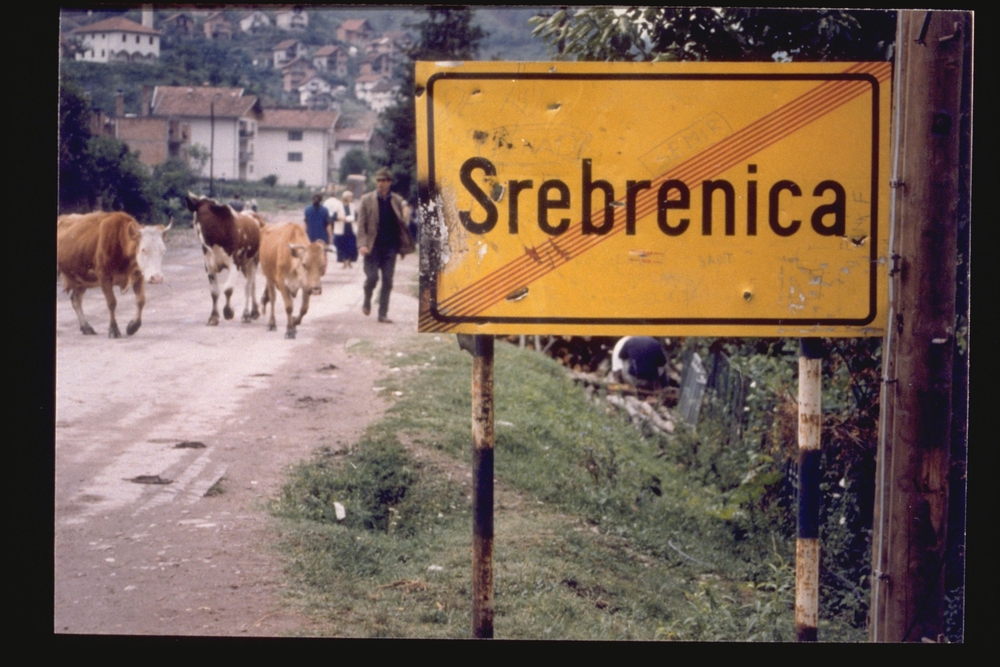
x=290 y=263
x=108 y=249
x=230 y=241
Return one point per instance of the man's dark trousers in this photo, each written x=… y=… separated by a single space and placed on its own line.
x=384 y=260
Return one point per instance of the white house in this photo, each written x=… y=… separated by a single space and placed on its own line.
x=296 y=145
x=253 y=21
x=375 y=90
x=315 y=93
x=286 y=51
x=358 y=135
x=292 y=19
x=117 y=40
x=221 y=120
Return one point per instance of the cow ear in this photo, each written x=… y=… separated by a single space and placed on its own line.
x=297 y=249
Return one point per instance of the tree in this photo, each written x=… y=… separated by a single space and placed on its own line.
x=355 y=161
x=74 y=162
x=119 y=180
x=446 y=34
x=671 y=33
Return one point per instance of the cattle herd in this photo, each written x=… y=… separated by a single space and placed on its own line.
x=111 y=249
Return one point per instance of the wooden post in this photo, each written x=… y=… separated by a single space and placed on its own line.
x=482 y=478
x=911 y=499
x=807 y=541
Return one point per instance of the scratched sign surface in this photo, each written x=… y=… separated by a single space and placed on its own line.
x=723 y=199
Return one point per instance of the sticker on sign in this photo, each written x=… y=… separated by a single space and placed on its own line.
x=701 y=199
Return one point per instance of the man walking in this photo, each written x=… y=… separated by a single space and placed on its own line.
x=382 y=234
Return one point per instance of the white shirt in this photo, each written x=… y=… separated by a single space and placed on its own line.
x=336 y=210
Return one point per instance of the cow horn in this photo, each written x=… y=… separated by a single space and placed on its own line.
x=167 y=228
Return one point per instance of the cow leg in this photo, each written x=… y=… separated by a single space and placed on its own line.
x=227 y=310
x=109 y=295
x=305 y=306
x=213 y=284
x=289 y=299
x=251 y=293
x=139 y=288
x=269 y=295
x=76 y=298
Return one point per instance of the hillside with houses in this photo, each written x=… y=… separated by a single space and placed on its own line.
x=271 y=92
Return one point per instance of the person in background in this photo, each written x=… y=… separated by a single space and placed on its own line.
x=641 y=361
x=318 y=221
x=346 y=242
x=382 y=234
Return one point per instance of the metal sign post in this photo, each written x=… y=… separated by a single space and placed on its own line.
x=482 y=479
x=807 y=543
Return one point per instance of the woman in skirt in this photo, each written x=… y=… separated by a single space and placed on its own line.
x=346 y=242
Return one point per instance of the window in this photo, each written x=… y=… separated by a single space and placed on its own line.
x=124 y=38
x=150 y=39
x=295 y=135
x=295 y=157
x=137 y=39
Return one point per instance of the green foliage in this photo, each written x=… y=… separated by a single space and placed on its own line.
x=171 y=182
x=119 y=180
x=672 y=33
x=100 y=171
x=355 y=161
x=445 y=34
x=74 y=160
x=599 y=534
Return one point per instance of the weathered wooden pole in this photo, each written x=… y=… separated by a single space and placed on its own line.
x=807 y=541
x=482 y=493
x=911 y=500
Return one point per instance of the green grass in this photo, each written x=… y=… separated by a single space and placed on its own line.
x=599 y=535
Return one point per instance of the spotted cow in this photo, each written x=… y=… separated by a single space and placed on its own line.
x=230 y=241
x=108 y=250
x=290 y=263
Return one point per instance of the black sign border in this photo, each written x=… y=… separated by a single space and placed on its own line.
x=429 y=282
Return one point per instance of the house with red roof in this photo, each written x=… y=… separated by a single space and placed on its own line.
x=356 y=32
x=296 y=145
x=117 y=40
x=220 y=120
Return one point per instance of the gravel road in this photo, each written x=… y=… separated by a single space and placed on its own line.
x=225 y=408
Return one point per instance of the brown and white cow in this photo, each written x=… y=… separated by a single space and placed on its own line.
x=107 y=250
x=290 y=263
x=230 y=241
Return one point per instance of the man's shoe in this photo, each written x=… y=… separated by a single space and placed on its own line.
x=366 y=309
x=384 y=320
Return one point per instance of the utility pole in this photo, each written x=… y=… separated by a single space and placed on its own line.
x=911 y=499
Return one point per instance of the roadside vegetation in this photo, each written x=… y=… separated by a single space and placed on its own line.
x=602 y=531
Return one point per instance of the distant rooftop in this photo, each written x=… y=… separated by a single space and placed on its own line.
x=116 y=24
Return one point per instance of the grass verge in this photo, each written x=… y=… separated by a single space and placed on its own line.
x=598 y=534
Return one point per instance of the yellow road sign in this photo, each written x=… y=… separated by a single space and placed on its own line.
x=712 y=199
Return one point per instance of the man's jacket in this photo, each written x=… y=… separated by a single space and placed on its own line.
x=368 y=222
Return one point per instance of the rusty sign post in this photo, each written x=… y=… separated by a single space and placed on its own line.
x=807 y=546
x=482 y=479
x=663 y=199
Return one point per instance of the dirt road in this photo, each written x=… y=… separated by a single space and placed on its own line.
x=225 y=408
